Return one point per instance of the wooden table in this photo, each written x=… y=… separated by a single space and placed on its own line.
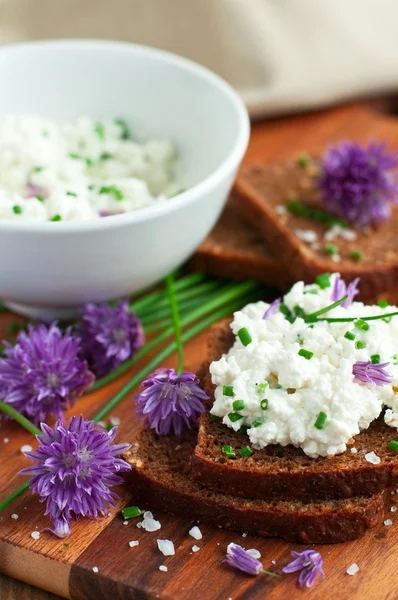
x=274 y=139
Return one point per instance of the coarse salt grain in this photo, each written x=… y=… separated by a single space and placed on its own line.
x=35 y=535
x=163 y=568
x=14 y=516
x=133 y=543
x=273 y=562
x=195 y=533
x=354 y=450
x=26 y=448
x=101 y=423
x=95 y=569
x=125 y=522
x=387 y=522
x=6 y=440
x=149 y=523
x=166 y=547
x=393 y=509
x=280 y=210
x=353 y=569
x=244 y=534
x=254 y=553
x=316 y=246
x=195 y=548
x=336 y=258
x=115 y=421
x=306 y=235
x=372 y=458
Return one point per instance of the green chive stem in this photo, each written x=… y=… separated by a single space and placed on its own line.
x=19 y=418
x=18 y=492
x=313 y=316
x=175 y=318
x=350 y=319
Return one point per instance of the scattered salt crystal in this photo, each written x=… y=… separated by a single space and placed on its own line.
x=166 y=547
x=348 y=234
x=195 y=548
x=332 y=233
x=244 y=534
x=125 y=522
x=254 y=553
x=95 y=569
x=195 y=533
x=393 y=509
x=336 y=258
x=353 y=569
x=26 y=448
x=148 y=514
x=163 y=568
x=6 y=440
x=14 y=516
x=306 y=235
x=273 y=562
x=316 y=246
x=133 y=543
x=139 y=525
x=372 y=458
x=102 y=423
x=387 y=522
x=280 y=210
x=35 y=535
x=354 y=450
x=149 y=523
x=115 y=421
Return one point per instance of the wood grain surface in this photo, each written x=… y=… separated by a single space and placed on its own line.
x=124 y=572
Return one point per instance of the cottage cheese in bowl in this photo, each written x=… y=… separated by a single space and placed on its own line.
x=80 y=170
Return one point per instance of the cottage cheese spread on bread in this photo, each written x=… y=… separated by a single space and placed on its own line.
x=282 y=392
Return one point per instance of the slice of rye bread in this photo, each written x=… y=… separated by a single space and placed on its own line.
x=234 y=249
x=265 y=191
x=277 y=471
x=160 y=478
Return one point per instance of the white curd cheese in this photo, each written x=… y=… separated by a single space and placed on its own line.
x=79 y=170
x=282 y=392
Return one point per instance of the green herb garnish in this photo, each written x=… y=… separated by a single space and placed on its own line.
x=331 y=249
x=106 y=156
x=238 y=405
x=303 y=160
x=37 y=169
x=356 y=254
x=131 y=512
x=234 y=417
x=71 y=194
x=264 y=404
x=125 y=133
x=383 y=303
x=375 y=359
x=359 y=345
x=305 y=353
x=323 y=281
x=285 y=310
x=246 y=451
x=393 y=445
x=17 y=209
x=100 y=131
x=349 y=335
x=228 y=390
x=321 y=420
x=56 y=218
x=40 y=198
x=229 y=451
x=395 y=359
x=361 y=325
x=261 y=388
x=244 y=336
x=257 y=422
x=323 y=216
x=113 y=191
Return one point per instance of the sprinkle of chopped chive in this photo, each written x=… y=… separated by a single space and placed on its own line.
x=75 y=156
x=298 y=311
x=71 y=194
x=285 y=310
x=109 y=427
x=349 y=335
x=320 y=420
x=131 y=512
x=56 y=218
x=125 y=133
x=106 y=156
x=257 y=422
x=305 y=353
x=323 y=281
x=359 y=345
x=238 y=405
x=313 y=291
x=91 y=186
x=37 y=169
x=89 y=161
x=356 y=254
x=234 y=417
x=303 y=160
x=361 y=325
x=375 y=358
x=261 y=388
x=112 y=190
x=331 y=249
x=300 y=339
x=243 y=429
x=17 y=209
x=323 y=216
x=395 y=359
x=228 y=390
x=244 y=336
x=264 y=404
x=100 y=131
x=14 y=328
x=383 y=303
x=214 y=417
x=393 y=445
x=40 y=198
x=229 y=451
x=246 y=451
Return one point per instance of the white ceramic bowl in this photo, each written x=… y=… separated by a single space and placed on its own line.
x=49 y=269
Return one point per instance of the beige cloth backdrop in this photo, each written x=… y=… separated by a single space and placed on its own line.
x=279 y=54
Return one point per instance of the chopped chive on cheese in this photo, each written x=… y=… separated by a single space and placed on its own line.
x=313 y=291
x=261 y=388
x=264 y=404
x=305 y=353
x=40 y=198
x=100 y=131
x=383 y=303
x=109 y=427
x=89 y=161
x=375 y=358
x=228 y=390
x=112 y=190
x=75 y=156
x=17 y=209
x=395 y=359
x=243 y=429
x=37 y=169
x=106 y=156
x=323 y=281
x=257 y=422
x=331 y=249
x=303 y=160
x=244 y=336
x=246 y=451
x=393 y=445
x=91 y=186
x=56 y=218
x=229 y=451
x=320 y=420
x=238 y=405
x=349 y=335
x=125 y=133
x=213 y=417
x=362 y=325
x=71 y=194
x=356 y=254
x=234 y=417
x=131 y=512
x=359 y=345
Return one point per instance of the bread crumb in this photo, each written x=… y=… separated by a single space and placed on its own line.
x=95 y=569
x=387 y=522
x=353 y=569
x=163 y=568
x=35 y=535
x=195 y=533
x=166 y=547
x=372 y=458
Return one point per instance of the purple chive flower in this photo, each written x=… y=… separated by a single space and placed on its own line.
x=75 y=466
x=357 y=183
x=109 y=335
x=340 y=290
x=170 y=401
x=367 y=372
x=241 y=559
x=42 y=374
x=309 y=562
x=272 y=309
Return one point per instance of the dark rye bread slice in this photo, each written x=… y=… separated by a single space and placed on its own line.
x=161 y=479
x=234 y=249
x=286 y=472
x=265 y=189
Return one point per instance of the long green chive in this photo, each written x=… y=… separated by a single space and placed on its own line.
x=375 y=359
x=17 y=209
x=359 y=345
x=131 y=512
x=176 y=321
x=323 y=281
x=229 y=451
x=257 y=422
x=331 y=249
x=349 y=335
x=356 y=254
x=71 y=194
x=16 y=415
x=321 y=420
x=264 y=404
x=352 y=319
x=305 y=353
x=246 y=452
x=14 y=495
x=238 y=405
x=233 y=417
x=313 y=316
x=244 y=336
x=393 y=445
x=285 y=310
x=228 y=390
x=323 y=216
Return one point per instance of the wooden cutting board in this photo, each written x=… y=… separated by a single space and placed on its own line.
x=65 y=567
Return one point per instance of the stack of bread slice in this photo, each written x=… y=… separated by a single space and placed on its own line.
x=277 y=491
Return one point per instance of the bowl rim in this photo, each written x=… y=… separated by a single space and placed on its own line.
x=185 y=198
